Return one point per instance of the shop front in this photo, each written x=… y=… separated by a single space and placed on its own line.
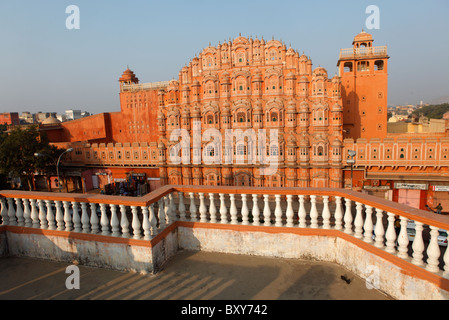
x=411 y=194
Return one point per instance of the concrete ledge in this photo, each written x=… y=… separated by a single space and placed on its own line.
x=383 y=271
x=141 y=256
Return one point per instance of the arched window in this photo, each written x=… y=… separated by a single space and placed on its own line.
x=347 y=67
x=378 y=65
x=241 y=117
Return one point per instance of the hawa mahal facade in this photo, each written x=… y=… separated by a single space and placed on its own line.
x=229 y=94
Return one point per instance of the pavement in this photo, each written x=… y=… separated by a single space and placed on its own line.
x=189 y=275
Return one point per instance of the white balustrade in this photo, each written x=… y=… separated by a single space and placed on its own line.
x=148 y=221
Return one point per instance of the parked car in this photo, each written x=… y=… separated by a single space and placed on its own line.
x=411 y=232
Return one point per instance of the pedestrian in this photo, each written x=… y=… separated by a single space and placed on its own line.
x=439 y=208
x=397 y=224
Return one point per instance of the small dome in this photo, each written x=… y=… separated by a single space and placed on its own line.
x=363 y=36
x=51 y=120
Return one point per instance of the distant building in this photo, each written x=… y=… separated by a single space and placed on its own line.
x=10 y=118
x=27 y=118
x=73 y=114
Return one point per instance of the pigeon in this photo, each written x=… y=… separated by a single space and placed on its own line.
x=345 y=279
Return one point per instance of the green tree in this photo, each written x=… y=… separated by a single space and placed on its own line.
x=17 y=154
x=433 y=111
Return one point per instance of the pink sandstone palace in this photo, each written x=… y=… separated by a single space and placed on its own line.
x=252 y=85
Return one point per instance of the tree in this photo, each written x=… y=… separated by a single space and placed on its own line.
x=17 y=154
x=433 y=111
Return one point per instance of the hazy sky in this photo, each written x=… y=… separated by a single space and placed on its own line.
x=46 y=67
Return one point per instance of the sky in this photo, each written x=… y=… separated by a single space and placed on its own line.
x=47 y=67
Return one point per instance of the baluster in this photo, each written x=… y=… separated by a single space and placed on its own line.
x=348 y=216
x=256 y=211
x=136 y=223
x=153 y=220
x=266 y=211
x=379 y=230
x=338 y=214
x=181 y=207
x=278 y=211
x=161 y=212
x=115 y=223
x=358 y=222
x=223 y=209
x=76 y=217
x=433 y=251
x=233 y=209
x=104 y=221
x=302 y=214
x=50 y=215
x=42 y=215
x=212 y=209
x=313 y=212
x=289 y=212
x=174 y=216
x=124 y=224
x=59 y=216
x=245 y=211
x=390 y=235
x=326 y=213
x=4 y=212
x=27 y=213
x=34 y=214
x=167 y=210
x=11 y=213
x=203 y=210
x=403 y=239
x=192 y=208
x=418 y=245
x=146 y=223
x=368 y=226
x=85 y=218
x=67 y=216
x=19 y=212
x=94 y=222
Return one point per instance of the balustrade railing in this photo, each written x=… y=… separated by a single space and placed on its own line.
x=411 y=234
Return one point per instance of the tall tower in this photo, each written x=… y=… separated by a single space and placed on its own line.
x=364 y=82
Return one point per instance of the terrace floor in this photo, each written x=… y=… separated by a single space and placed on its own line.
x=189 y=275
